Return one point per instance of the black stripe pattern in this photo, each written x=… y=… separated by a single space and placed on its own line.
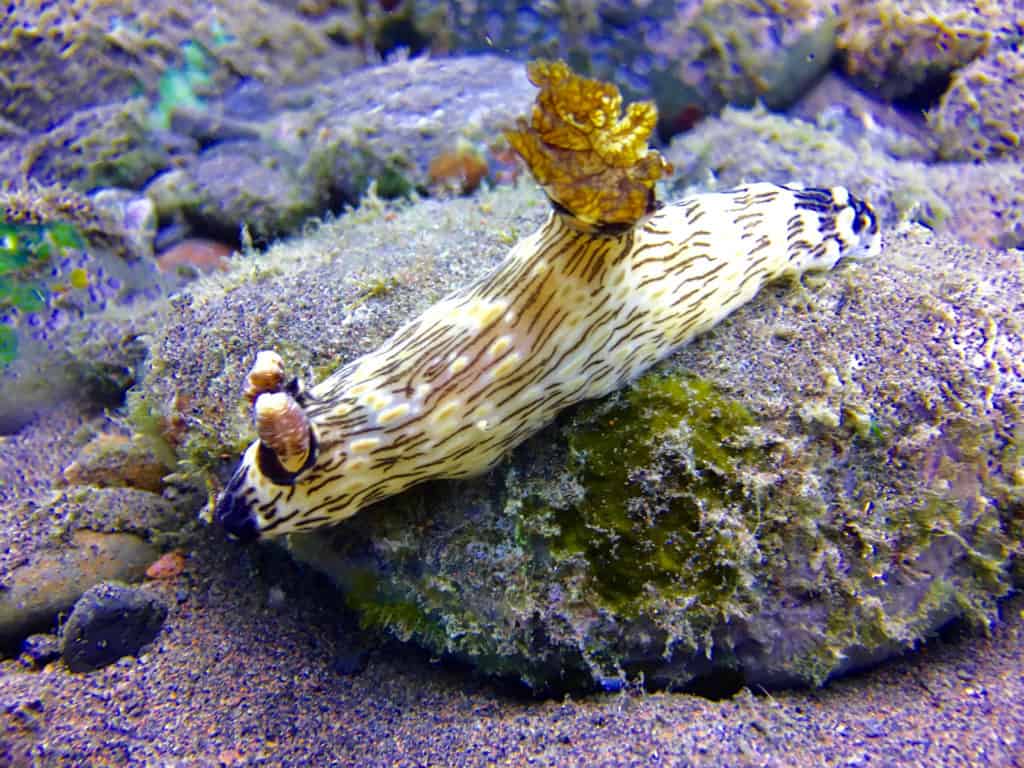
x=569 y=315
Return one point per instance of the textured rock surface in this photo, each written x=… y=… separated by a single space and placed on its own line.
x=958 y=59
x=40 y=650
x=898 y=48
x=113 y=459
x=982 y=204
x=36 y=592
x=269 y=156
x=981 y=115
x=115 y=510
x=319 y=148
x=58 y=57
x=110 y=621
x=814 y=486
x=65 y=258
x=820 y=483
x=693 y=58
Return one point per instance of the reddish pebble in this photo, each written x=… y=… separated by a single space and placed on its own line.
x=169 y=566
x=204 y=255
x=460 y=170
x=230 y=756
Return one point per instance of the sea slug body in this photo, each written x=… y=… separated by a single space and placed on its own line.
x=577 y=310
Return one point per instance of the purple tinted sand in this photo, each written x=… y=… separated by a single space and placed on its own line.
x=240 y=676
x=29 y=462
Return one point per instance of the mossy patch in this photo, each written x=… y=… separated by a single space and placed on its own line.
x=381 y=608
x=681 y=542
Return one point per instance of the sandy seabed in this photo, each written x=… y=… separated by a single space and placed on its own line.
x=258 y=665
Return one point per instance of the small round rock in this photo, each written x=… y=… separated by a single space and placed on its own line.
x=110 y=621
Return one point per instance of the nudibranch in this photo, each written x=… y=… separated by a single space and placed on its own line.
x=611 y=283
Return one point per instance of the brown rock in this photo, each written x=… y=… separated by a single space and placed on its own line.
x=115 y=460
x=196 y=253
x=54 y=579
x=169 y=566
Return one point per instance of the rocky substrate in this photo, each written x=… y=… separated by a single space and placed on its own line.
x=818 y=484
x=256 y=666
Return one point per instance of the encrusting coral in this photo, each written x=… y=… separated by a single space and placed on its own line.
x=610 y=284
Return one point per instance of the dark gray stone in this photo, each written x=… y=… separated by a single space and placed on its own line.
x=108 y=622
x=36 y=592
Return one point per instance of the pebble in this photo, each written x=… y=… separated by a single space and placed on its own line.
x=349 y=661
x=276 y=598
x=113 y=460
x=873 y=728
x=196 y=254
x=168 y=566
x=108 y=622
x=40 y=649
x=55 y=578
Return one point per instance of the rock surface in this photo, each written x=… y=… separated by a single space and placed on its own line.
x=40 y=649
x=982 y=204
x=898 y=48
x=112 y=459
x=110 y=621
x=270 y=155
x=58 y=58
x=37 y=592
x=981 y=114
x=692 y=57
x=820 y=483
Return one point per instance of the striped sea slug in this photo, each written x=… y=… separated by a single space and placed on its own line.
x=611 y=283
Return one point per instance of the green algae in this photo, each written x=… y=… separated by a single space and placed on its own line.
x=8 y=345
x=667 y=529
x=382 y=608
x=639 y=552
x=685 y=523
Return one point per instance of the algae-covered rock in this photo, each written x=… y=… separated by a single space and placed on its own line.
x=319 y=148
x=961 y=59
x=112 y=459
x=65 y=258
x=106 y=145
x=60 y=57
x=821 y=482
x=389 y=123
x=897 y=48
x=981 y=115
x=692 y=57
x=983 y=204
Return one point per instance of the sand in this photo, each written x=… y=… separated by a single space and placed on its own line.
x=258 y=664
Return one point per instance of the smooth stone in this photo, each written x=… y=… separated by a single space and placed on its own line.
x=54 y=579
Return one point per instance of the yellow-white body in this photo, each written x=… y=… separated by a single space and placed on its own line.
x=569 y=315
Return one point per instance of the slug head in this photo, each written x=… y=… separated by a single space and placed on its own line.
x=287 y=446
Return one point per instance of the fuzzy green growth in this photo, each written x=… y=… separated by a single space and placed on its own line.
x=671 y=549
x=381 y=608
x=34 y=275
x=177 y=86
x=8 y=345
